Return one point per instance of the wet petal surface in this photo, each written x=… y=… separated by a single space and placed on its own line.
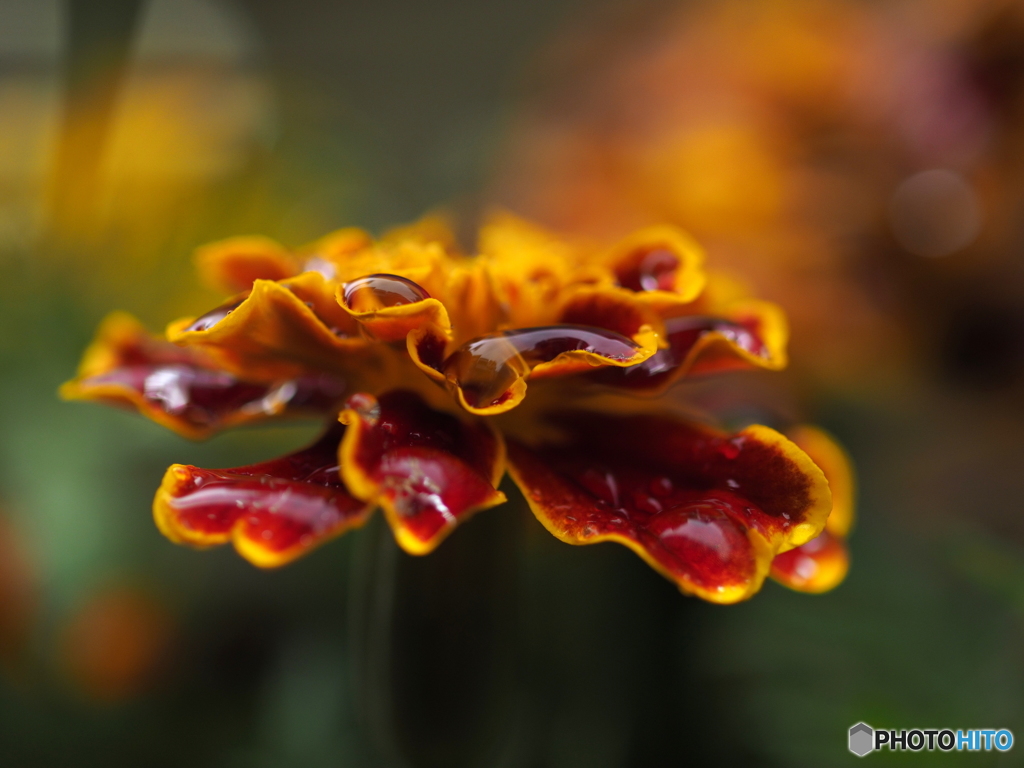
x=428 y=470
x=662 y=264
x=817 y=566
x=821 y=564
x=828 y=454
x=707 y=510
x=273 y=512
x=388 y=307
x=182 y=389
x=279 y=330
x=752 y=336
x=488 y=375
x=611 y=309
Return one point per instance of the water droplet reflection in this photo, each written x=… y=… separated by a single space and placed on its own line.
x=375 y=292
x=650 y=270
x=486 y=368
x=214 y=316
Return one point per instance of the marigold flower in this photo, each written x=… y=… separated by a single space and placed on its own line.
x=438 y=370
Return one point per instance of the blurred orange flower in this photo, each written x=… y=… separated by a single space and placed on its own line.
x=114 y=645
x=17 y=595
x=818 y=148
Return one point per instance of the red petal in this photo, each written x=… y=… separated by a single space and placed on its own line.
x=817 y=566
x=273 y=512
x=707 y=510
x=599 y=327
x=827 y=453
x=428 y=470
x=488 y=375
x=662 y=264
x=821 y=564
x=611 y=308
x=753 y=335
x=181 y=388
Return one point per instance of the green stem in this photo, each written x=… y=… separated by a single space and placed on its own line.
x=433 y=643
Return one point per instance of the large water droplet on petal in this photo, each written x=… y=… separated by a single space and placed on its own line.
x=486 y=368
x=376 y=292
x=651 y=270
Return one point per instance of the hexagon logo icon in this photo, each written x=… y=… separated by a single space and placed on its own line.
x=862 y=737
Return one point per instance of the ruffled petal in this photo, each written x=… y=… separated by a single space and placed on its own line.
x=662 y=264
x=827 y=453
x=434 y=227
x=821 y=564
x=339 y=245
x=748 y=334
x=428 y=470
x=817 y=566
x=610 y=308
x=472 y=302
x=233 y=265
x=707 y=510
x=389 y=307
x=488 y=375
x=530 y=268
x=181 y=388
x=344 y=258
x=427 y=347
x=273 y=512
x=279 y=330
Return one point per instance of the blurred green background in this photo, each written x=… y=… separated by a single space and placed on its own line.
x=132 y=132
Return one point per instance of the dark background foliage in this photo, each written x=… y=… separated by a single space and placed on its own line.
x=132 y=132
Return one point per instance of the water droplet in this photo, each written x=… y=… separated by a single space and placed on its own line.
x=682 y=333
x=602 y=485
x=686 y=530
x=486 y=368
x=652 y=269
x=730 y=449
x=365 y=405
x=375 y=292
x=661 y=487
x=214 y=316
x=646 y=504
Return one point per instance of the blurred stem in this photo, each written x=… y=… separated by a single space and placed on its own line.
x=99 y=37
x=434 y=645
